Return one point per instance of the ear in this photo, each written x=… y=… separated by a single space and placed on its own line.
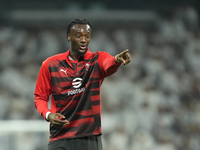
x=68 y=37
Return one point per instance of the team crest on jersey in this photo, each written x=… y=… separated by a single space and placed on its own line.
x=87 y=66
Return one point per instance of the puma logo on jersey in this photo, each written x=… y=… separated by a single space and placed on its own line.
x=65 y=71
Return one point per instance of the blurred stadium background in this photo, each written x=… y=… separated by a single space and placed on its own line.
x=151 y=104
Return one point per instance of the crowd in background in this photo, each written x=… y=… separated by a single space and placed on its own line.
x=151 y=104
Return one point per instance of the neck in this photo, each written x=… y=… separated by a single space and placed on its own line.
x=73 y=55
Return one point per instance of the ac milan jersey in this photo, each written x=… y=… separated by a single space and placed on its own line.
x=75 y=89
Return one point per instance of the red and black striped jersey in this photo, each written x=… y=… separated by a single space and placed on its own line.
x=75 y=89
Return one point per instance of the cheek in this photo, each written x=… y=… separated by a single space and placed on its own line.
x=88 y=41
x=74 y=42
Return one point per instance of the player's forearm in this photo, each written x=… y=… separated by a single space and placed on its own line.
x=41 y=105
x=110 y=66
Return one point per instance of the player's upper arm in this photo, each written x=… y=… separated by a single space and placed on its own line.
x=43 y=89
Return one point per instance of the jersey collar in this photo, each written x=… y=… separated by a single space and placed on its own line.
x=86 y=56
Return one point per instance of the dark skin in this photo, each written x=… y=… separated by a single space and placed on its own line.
x=57 y=119
x=79 y=36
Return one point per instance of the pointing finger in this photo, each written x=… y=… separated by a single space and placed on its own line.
x=127 y=58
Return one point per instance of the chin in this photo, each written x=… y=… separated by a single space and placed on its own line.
x=82 y=53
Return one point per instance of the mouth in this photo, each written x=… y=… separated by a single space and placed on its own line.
x=82 y=47
x=82 y=50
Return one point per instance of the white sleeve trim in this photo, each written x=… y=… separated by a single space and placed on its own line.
x=116 y=60
x=47 y=114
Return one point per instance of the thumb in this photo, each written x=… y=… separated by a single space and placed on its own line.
x=124 y=52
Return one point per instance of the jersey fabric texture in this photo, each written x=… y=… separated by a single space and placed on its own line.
x=75 y=89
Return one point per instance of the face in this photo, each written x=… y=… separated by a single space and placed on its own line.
x=79 y=37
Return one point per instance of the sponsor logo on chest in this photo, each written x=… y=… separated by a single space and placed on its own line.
x=76 y=83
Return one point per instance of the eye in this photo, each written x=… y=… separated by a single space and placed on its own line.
x=78 y=36
x=88 y=37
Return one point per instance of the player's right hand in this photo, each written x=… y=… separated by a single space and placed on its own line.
x=57 y=119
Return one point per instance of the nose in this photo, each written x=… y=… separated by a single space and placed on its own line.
x=83 y=39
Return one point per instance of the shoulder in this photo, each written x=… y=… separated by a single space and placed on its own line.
x=103 y=54
x=90 y=54
x=57 y=57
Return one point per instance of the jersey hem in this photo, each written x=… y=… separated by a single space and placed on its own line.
x=55 y=139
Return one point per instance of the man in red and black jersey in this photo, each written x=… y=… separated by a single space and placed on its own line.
x=74 y=80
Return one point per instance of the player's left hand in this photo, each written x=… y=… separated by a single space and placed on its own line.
x=124 y=57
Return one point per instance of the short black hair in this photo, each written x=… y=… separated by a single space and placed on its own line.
x=77 y=21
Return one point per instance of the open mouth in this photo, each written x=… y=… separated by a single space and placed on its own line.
x=83 y=47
